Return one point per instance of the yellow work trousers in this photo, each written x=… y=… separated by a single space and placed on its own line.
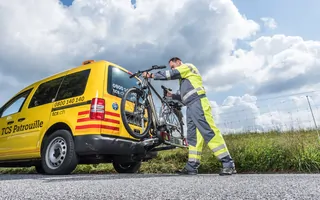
x=202 y=129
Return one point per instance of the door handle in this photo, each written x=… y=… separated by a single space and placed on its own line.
x=21 y=119
x=10 y=122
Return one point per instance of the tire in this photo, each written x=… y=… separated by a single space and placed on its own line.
x=179 y=116
x=124 y=118
x=60 y=139
x=178 y=113
x=39 y=169
x=132 y=167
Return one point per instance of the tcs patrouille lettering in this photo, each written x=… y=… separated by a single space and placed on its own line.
x=22 y=127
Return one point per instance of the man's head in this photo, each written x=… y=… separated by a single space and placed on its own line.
x=175 y=62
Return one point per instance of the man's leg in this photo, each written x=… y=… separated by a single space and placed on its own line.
x=203 y=119
x=195 y=144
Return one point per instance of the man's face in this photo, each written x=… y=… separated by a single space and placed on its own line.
x=173 y=65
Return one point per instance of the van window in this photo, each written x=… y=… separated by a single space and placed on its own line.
x=45 y=93
x=119 y=82
x=15 y=105
x=73 y=85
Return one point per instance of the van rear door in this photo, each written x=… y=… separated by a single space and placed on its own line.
x=118 y=83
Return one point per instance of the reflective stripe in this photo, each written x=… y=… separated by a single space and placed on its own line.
x=168 y=75
x=194 y=160
x=219 y=148
x=191 y=93
x=195 y=152
x=223 y=155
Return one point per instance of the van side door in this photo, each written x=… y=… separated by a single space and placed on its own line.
x=35 y=115
x=71 y=103
x=9 y=123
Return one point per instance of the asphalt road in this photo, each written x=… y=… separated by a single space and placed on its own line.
x=149 y=186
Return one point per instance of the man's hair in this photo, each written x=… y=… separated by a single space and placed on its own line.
x=174 y=59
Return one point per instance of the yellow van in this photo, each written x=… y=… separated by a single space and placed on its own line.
x=71 y=118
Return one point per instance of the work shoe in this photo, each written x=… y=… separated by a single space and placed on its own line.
x=184 y=171
x=227 y=171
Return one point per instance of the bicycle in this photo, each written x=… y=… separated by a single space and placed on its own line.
x=161 y=127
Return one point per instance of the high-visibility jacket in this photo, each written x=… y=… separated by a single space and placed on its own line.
x=191 y=86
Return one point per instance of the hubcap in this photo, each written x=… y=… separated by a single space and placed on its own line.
x=56 y=152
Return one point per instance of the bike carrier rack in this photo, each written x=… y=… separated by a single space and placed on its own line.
x=163 y=148
x=160 y=140
x=174 y=144
x=149 y=142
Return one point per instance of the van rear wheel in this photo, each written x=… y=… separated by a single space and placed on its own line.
x=58 y=153
x=39 y=169
x=131 y=167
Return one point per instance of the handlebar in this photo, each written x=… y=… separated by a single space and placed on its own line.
x=158 y=66
x=138 y=73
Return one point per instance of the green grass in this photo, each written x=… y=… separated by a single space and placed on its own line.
x=297 y=152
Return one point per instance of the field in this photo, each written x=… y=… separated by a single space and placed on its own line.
x=273 y=152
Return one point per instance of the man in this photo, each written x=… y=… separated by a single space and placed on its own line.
x=200 y=125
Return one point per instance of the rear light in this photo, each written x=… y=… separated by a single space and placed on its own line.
x=97 y=110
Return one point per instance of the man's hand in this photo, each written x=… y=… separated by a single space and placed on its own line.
x=149 y=75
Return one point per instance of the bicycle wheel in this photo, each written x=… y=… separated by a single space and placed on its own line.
x=173 y=118
x=178 y=113
x=134 y=119
x=177 y=134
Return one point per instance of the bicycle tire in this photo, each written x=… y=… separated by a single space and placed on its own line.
x=124 y=118
x=179 y=115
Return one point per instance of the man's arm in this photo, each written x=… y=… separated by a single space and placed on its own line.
x=178 y=73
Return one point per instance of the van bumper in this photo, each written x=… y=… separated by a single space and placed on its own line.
x=109 y=145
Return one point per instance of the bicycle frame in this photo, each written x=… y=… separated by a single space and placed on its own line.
x=155 y=119
x=158 y=123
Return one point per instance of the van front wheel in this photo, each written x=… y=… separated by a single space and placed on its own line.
x=131 y=167
x=58 y=153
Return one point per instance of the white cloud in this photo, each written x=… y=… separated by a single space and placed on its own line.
x=273 y=65
x=44 y=37
x=269 y=22
x=247 y=113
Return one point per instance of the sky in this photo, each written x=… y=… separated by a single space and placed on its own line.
x=293 y=17
x=246 y=51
